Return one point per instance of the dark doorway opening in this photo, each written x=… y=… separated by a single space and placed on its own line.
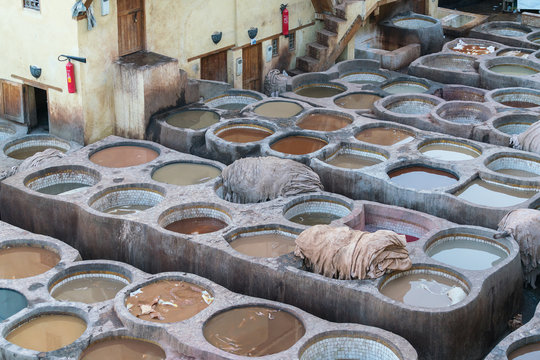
x=42 y=109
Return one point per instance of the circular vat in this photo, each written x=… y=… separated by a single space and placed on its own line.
x=320 y=90
x=495 y=194
x=89 y=283
x=507 y=29
x=316 y=210
x=475 y=47
x=185 y=173
x=410 y=104
x=449 y=150
x=534 y=37
x=515 y=52
x=268 y=241
x=514 y=69
x=422 y=177
x=121 y=155
x=348 y=345
x=253 y=330
x=278 y=109
x=63 y=180
x=385 y=135
x=414 y=22
x=22 y=259
x=365 y=77
x=466 y=251
x=350 y=157
x=242 y=132
x=298 y=144
x=515 y=165
x=463 y=112
x=123 y=348
x=6 y=131
x=127 y=199
x=11 y=302
x=514 y=124
x=168 y=300
x=450 y=62
x=195 y=219
x=525 y=349
x=27 y=146
x=192 y=119
x=462 y=93
x=324 y=121
x=406 y=87
x=425 y=287
x=516 y=97
x=47 y=331
x=357 y=100
x=233 y=100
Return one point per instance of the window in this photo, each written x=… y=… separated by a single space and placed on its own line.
x=292 y=41
x=275 y=47
x=31 y=4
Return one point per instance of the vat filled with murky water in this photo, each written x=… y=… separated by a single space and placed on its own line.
x=515 y=124
x=24 y=260
x=449 y=150
x=386 y=136
x=127 y=199
x=119 y=156
x=421 y=177
x=123 y=348
x=242 y=132
x=323 y=90
x=185 y=173
x=526 y=352
x=357 y=101
x=515 y=165
x=168 y=301
x=516 y=97
x=409 y=104
x=316 y=211
x=278 y=109
x=194 y=220
x=253 y=331
x=62 y=180
x=513 y=70
x=47 y=332
x=233 y=100
x=424 y=287
x=365 y=77
x=405 y=87
x=355 y=158
x=268 y=242
x=466 y=251
x=322 y=121
x=27 y=146
x=11 y=302
x=192 y=119
x=515 y=52
x=494 y=194
x=414 y=22
x=298 y=145
x=88 y=287
x=463 y=112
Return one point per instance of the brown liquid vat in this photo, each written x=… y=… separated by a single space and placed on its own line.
x=278 y=109
x=421 y=177
x=324 y=122
x=243 y=133
x=385 y=136
x=119 y=156
x=21 y=261
x=194 y=219
x=298 y=145
x=123 y=348
x=185 y=173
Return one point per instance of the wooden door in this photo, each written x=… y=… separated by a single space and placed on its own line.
x=252 y=70
x=214 y=67
x=130 y=26
x=12 y=101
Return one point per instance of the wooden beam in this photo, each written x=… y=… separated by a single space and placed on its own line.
x=211 y=53
x=35 y=83
x=86 y=4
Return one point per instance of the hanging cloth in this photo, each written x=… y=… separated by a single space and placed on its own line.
x=79 y=9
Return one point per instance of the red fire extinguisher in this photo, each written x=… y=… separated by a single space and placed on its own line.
x=285 y=19
x=70 y=72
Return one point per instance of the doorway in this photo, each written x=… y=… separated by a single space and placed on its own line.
x=214 y=67
x=252 y=60
x=130 y=26
x=42 y=109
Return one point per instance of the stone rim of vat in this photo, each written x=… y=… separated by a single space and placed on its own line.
x=385 y=106
x=497 y=25
x=125 y=315
x=522 y=342
x=428 y=163
x=324 y=111
x=377 y=339
x=433 y=61
x=496 y=94
x=111 y=197
x=200 y=161
x=535 y=55
x=317 y=135
x=6 y=131
x=448 y=111
x=510 y=248
x=365 y=150
x=455 y=142
x=237 y=233
x=119 y=143
x=43 y=309
x=442 y=270
x=490 y=163
x=455 y=92
x=251 y=97
x=35 y=140
x=517 y=117
x=165 y=119
x=503 y=51
x=377 y=93
x=118 y=271
x=414 y=17
x=258 y=303
x=449 y=46
x=380 y=76
x=301 y=205
x=38 y=180
x=262 y=125
x=534 y=37
x=115 y=335
x=253 y=107
x=324 y=84
x=419 y=82
x=194 y=210
x=413 y=132
x=486 y=65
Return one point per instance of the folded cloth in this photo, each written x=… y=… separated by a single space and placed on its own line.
x=528 y=140
x=343 y=253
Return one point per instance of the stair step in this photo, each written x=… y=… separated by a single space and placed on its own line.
x=332 y=23
x=295 y=72
x=307 y=63
x=324 y=36
x=316 y=50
